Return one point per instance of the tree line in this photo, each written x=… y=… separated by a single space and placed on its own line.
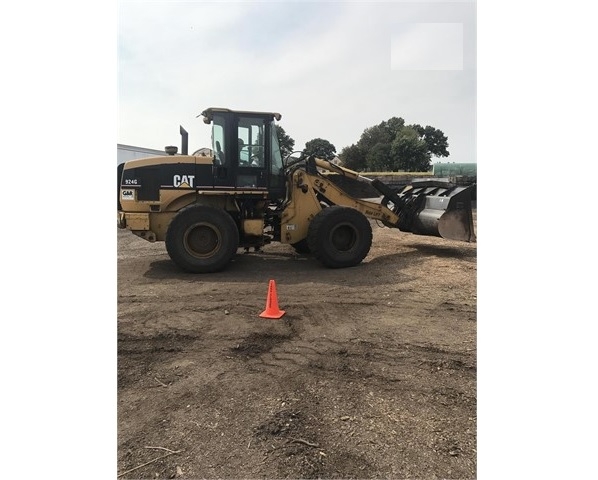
x=389 y=146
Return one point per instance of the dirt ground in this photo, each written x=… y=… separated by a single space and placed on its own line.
x=371 y=372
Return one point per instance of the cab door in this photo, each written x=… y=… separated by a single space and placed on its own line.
x=224 y=152
x=252 y=153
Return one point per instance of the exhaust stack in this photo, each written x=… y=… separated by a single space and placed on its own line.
x=184 y=141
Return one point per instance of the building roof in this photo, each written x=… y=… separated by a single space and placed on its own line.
x=132 y=148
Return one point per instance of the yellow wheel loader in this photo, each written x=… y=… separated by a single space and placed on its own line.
x=242 y=195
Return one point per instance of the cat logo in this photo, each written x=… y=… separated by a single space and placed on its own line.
x=183 y=181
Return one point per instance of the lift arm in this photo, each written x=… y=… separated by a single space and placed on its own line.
x=437 y=210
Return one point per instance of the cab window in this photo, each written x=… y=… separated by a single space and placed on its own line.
x=218 y=140
x=251 y=146
x=276 y=178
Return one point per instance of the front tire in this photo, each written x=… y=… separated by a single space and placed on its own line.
x=202 y=239
x=340 y=237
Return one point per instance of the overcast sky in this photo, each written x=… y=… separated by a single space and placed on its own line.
x=331 y=69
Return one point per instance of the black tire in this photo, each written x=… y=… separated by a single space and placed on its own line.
x=301 y=246
x=202 y=239
x=340 y=237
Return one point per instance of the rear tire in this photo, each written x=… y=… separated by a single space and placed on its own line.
x=340 y=237
x=202 y=239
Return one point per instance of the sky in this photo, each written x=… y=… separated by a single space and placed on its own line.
x=332 y=69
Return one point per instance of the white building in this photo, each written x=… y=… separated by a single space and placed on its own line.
x=124 y=153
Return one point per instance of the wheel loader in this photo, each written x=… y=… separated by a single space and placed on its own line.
x=206 y=207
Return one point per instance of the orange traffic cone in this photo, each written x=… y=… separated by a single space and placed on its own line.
x=272 y=310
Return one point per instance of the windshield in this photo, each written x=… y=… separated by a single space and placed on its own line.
x=218 y=146
x=276 y=159
x=250 y=136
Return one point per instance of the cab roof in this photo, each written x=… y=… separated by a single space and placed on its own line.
x=208 y=113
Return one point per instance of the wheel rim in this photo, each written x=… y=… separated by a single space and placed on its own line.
x=202 y=240
x=343 y=237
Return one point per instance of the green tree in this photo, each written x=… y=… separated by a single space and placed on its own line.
x=320 y=148
x=379 y=158
x=435 y=139
x=391 y=145
x=286 y=143
x=410 y=153
x=353 y=158
x=384 y=132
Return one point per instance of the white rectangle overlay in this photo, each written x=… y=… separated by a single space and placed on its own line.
x=427 y=46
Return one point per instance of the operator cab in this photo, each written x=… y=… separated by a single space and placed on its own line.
x=246 y=151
